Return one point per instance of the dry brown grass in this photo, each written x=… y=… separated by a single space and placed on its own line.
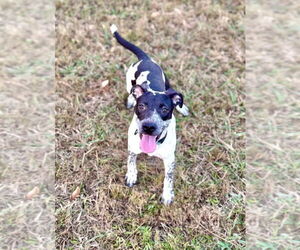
x=200 y=46
x=273 y=170
x=26 y=124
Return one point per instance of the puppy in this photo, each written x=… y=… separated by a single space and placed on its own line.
x=153 y=127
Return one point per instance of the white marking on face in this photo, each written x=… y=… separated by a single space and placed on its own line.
x=164 y=150
x=156 y=119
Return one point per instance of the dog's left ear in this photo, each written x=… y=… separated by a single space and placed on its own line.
x=137 y=91
x=176 y=97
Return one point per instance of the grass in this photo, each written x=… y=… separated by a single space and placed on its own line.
x=27 y=125
x=200 y=46
x=272 y=123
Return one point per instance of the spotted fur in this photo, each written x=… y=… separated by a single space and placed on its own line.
x=153 y=100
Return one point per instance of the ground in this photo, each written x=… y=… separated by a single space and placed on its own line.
x=200 y=46
x=272 y=87
x=27 y=100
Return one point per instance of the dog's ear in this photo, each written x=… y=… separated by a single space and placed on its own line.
x=137 y=91
x=176 y=97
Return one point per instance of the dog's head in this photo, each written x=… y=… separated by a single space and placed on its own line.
x=154 y=112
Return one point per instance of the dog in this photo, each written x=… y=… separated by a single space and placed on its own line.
x=153 y=127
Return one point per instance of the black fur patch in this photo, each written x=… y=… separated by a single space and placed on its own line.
x=157 y=102
x=155 y=77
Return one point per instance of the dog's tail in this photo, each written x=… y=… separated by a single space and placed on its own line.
x=134 y=49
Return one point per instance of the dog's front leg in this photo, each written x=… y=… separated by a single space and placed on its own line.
x=168 y=192
x=131 y=175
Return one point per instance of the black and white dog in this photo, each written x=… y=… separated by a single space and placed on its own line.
x=152 y=130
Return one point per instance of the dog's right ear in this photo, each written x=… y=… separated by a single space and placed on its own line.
x=137 y=91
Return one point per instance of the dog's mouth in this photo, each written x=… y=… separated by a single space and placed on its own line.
x=148 y=142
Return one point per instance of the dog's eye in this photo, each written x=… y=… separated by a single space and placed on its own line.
x=142 y=107
x=165 y=110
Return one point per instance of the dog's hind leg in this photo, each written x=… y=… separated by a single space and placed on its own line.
x=168 y=192
x=131 y=175
x=184 y=110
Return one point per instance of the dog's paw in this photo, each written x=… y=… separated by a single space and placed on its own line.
x=130 y=181
x=167 y=198
x=184 y=110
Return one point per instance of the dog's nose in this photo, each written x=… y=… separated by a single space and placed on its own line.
x=149 y=128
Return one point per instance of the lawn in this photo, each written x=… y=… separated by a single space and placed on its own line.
x=200 y=46
x=27 y=100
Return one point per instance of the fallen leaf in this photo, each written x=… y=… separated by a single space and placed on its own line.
x=75 y=194
x=104 y=83
x=178 y=11
x=155 y=14
x=35 y=191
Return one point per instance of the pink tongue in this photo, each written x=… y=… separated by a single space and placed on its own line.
x=148 y=143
